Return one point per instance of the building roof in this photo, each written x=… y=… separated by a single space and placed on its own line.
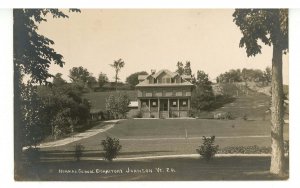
x=142 y=77
x=172 y=74
x=144 y=83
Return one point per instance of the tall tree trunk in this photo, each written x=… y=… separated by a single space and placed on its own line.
x=277 y=158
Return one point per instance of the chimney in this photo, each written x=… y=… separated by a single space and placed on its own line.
x=153 y=71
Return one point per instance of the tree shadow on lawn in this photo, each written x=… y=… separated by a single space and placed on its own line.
x=186 y=169
x=57 y=155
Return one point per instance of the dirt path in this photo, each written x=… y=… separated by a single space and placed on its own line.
x=91 y=132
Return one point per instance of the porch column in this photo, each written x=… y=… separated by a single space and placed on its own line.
x=178 y=108
x=189 y=106
x=149 y=108
x=168 y=107
x=158 y=106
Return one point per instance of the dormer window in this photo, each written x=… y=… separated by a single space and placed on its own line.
x=155 y=80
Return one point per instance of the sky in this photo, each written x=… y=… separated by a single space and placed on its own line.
x=152 y=39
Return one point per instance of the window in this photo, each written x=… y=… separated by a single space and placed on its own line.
x=174 y=103
x=178 y=93
x=183 y=102
x=154 y=104
x=169 y=94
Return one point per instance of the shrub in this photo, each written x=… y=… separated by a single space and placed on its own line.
x=32 y=154
x=286 y=147
x=245 y=117
x=112 y=147
x=78 y=151
x=208 y=150
x=139 y=114
x=245 y=150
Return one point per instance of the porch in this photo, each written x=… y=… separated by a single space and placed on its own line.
x=164 y=107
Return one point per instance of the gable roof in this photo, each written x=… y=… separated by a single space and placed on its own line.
x=143 y=81
x=172 y=74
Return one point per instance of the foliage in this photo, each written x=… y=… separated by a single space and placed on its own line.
x=139 y=114
x=62 y=123
x=246 y=150
x=32 y=107
x=102 y=79
x=208 y=150
x=202 y=96
x=286 y=147
x=270 y=26
x=112 y=147
x=117 y=65
x=82 y=77
x=223 y=115
x=186 y=70
x=78 y=151
x=32 y=154
x=58 y=80
x=180 y=69
x=251 y=75
x=117 y=104
x=64 y=109
x=32 y=54
x=133 y=78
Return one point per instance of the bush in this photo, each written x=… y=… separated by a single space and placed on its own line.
x=138 y=115
x=286 y=147
x=245 y=150
x=208 y=150
x=32 y=154
x=78 y=151
x=112 y=147
x=245 y=117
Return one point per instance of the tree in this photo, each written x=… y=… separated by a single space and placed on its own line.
x=180 y=69
x=202 y=97
x=102 y=79
x=271 y=27
x=117 y=65
x=79 y=74
x=187 y=68
x=133 y=78
x=91 y=81
x=58 y=80
x=32 y=55
x=117 y=104
x=267 y=75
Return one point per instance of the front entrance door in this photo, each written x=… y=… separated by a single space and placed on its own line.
x=163 y=108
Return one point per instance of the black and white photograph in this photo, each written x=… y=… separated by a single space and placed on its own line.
x=151 y=94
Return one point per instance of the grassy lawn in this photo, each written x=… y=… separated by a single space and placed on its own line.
x=150 y=137
x=224 y=168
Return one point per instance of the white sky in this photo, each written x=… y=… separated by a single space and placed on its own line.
x=152 y=39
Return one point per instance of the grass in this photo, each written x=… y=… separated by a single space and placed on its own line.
x=223 y=168
x=97 y=99
x=141 y=137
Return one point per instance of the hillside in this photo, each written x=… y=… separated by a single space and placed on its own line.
x=97 y=99
x=248 y=100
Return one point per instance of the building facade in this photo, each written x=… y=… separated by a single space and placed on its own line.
x=164 y=94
